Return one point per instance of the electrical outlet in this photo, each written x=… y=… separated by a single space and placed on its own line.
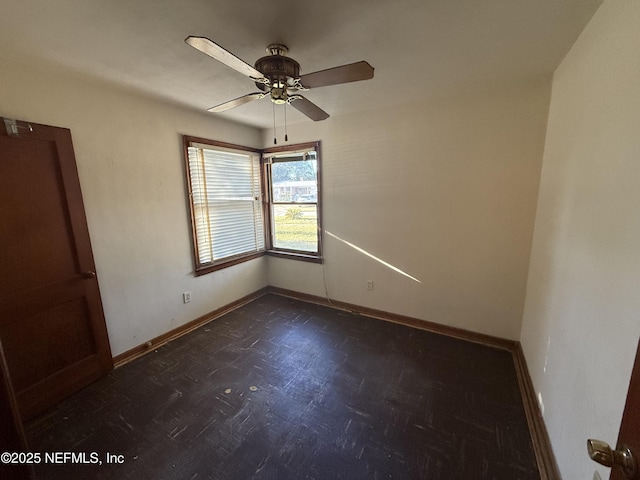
x=186 y=297
x=369 y=284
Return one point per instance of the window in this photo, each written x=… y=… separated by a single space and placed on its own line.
x=247 y=202
x=225 y=192
x=292 y=179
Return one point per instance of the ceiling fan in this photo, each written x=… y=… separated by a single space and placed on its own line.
x=278 y=77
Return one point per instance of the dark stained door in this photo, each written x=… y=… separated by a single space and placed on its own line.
x=629 y=433
x=624 y=457
x=51 y=320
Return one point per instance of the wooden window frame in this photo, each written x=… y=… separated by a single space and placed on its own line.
x=315 y=257
x=199 y=268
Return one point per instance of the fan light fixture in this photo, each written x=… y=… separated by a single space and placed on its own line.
x=281 y=72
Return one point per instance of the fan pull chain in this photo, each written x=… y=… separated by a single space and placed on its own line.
x=273 y=107
x=286 y=137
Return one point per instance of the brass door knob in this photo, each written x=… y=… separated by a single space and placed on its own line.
x=602 y=453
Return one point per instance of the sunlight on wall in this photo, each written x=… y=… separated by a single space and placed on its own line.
x=370 y=255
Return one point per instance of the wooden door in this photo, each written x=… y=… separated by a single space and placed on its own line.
x=51 y=320
x=624 y=460
x=629 y=434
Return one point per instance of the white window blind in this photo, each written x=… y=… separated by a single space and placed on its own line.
x=226 y=203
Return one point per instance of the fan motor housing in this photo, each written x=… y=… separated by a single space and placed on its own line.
x=277 y=67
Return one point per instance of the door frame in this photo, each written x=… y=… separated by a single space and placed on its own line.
x=12 y=436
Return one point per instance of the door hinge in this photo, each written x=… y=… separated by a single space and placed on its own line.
x=13 y=128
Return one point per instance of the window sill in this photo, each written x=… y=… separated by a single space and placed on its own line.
x=296 y=256
x=204 y=269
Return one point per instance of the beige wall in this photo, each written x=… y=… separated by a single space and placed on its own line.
x=443 y=192
x=128 y=151
x=582 y=315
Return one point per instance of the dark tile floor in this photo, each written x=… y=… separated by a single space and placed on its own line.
x=282 y=389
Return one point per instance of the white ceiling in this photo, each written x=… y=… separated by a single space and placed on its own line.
x=420 y=49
